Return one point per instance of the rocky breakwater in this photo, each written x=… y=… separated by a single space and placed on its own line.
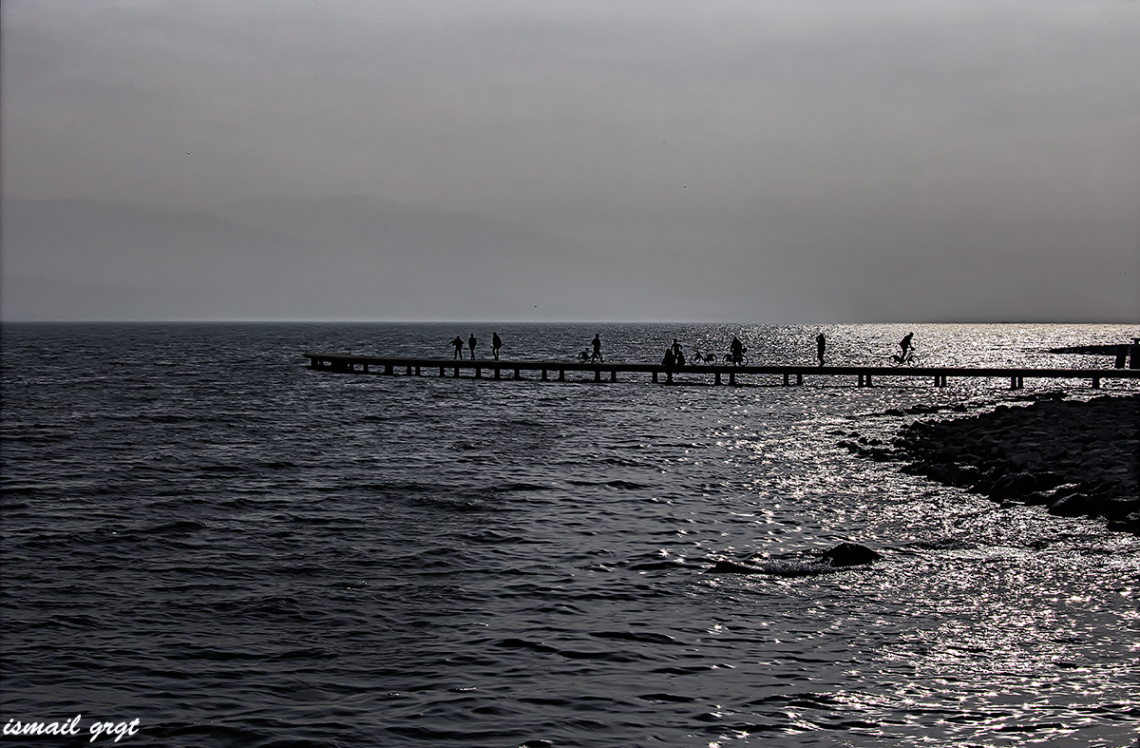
x=1076 y=458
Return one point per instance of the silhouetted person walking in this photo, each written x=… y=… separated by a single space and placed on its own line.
x=820 y=347
x=496 y=344
x=458 y=343
x=471 y=343
x=597 y=348
x=737 y=351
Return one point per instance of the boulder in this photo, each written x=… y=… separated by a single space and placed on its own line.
x=842 y=555
x=850 y=554
x=1120 y=507
x=1131 y=523
x=1048 y=496
x=1075 y=505
x=1013 y=486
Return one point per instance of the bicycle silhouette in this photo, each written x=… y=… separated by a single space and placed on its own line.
x=904 y=359
x=585 y=357
x=703 y=358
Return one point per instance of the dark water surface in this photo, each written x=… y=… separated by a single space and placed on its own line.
x=200 y=533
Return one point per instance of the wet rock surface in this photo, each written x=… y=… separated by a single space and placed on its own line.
x=819 y=562
x=850 y=554
x=1076 y=458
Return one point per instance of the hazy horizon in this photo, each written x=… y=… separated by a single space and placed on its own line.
x=764 y=162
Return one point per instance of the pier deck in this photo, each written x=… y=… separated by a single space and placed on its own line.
x=864 y=376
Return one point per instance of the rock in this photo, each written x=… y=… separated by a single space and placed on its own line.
x=850 y=554
x=1075 y=505
x=1120 y=507
x=842 y=555
x=1131 y=523
x=1078 y=458
x=1047 y=480
x=1025 y=460
x=1013 y=486
x=968 y=475
x=948 y=474
x=1047 y=496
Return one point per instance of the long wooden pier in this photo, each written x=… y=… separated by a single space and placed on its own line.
x=864 y=376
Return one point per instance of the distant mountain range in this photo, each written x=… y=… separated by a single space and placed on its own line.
x=279 y=258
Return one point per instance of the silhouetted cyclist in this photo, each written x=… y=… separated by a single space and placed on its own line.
x=905 y=345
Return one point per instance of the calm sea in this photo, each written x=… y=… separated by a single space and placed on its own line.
x=200 y=533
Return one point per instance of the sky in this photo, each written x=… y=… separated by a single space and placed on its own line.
x=754 y=161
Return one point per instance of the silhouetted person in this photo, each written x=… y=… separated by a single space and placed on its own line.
x=905 y=345
x=597 y=348
x=820 y=347
x=676 y=348
x=458 y=343
x=496 y=344
x=679 y=358
x=737 y=350
x=669 y=361
x=471 y=343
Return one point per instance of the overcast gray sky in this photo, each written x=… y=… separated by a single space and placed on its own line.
x=766 y=161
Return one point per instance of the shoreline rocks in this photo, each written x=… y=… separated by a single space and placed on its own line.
x=1076 y=458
